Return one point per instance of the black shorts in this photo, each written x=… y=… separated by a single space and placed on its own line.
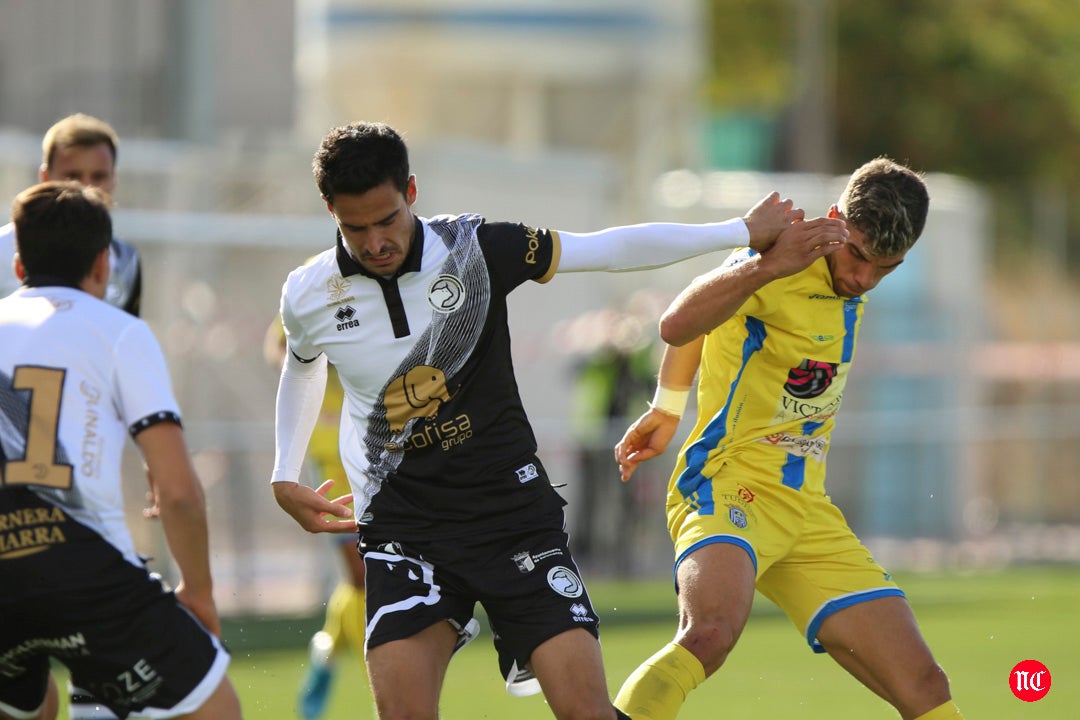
x=125 y=638
x=528 y=585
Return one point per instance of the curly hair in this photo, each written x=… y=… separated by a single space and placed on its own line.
x=888 y=202
x=355 y=158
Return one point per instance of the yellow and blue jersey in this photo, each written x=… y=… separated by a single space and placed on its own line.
x=771 y=380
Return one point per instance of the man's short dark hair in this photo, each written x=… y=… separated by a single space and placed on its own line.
x=355 y=158
x=60 y=229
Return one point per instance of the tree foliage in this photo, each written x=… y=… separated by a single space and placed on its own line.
x=987 y=89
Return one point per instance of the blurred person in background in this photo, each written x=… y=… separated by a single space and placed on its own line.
x=344 y=624
x=76 y=376
x=773 y=335
x=453 y=505
x=83 y=148
x=614 y=360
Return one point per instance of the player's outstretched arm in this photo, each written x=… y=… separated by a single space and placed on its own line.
x=652 y=245
x=712 y=299
x=182 y=508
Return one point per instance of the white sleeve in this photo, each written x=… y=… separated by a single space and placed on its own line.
x=142 y=376
x=299 y=399
x=649 y=245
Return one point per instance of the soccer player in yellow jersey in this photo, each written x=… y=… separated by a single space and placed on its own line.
x=345 y=609
x=773 y=335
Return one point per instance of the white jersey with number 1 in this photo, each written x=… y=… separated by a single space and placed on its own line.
x=76 y=376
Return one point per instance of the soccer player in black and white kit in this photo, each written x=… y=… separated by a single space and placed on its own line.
x=453 y=505
x=83 y=148
x=76 y=376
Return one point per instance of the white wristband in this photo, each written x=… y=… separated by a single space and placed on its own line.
x=671 y=402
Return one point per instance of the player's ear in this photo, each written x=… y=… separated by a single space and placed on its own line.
x=43 y=173
x=100 y=270
x=834 y=211
x=17 y=267
x=410 y=190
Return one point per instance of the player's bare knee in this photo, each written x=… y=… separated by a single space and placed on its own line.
x=933 y=683
x=710 y=641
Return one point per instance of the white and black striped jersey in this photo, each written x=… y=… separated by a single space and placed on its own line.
x=125 y=271
x=76 y=376
x=434 y=436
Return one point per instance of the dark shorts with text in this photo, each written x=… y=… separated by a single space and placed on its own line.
x=125 y=639
x=528 y=585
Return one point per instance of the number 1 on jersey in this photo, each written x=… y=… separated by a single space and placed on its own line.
x=39 y=466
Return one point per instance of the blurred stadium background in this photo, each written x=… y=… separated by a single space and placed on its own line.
x=959 y=445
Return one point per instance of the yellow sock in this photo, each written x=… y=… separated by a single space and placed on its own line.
x=948 y=711
x=354 y=620
x=345 y=619
x=658 y=688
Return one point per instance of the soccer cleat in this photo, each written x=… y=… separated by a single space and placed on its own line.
x=520 y=682
x=83 y=706
x=315 y=690
x=467 y=634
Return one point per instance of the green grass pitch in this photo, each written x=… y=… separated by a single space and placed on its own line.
x=978 y=624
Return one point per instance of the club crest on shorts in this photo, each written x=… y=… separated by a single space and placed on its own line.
x=737 y=517
x=446 y=294
x=565 y=581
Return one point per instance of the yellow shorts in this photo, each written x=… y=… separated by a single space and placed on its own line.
x=808 y=561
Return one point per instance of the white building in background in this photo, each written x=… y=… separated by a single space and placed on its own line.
x=555 y=113
x=616 y=78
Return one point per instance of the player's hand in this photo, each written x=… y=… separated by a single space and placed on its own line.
x=769 y=218
x=201 y=606
x=152 y=511
x=803 y=242
x=310 y=508
x=645 y=439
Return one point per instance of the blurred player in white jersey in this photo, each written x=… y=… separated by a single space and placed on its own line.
x=344 y=624
x=76 y=375
x=83 y=148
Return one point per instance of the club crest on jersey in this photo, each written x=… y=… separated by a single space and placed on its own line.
x=346 y=317
x=337 y=289
x=446 y=294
